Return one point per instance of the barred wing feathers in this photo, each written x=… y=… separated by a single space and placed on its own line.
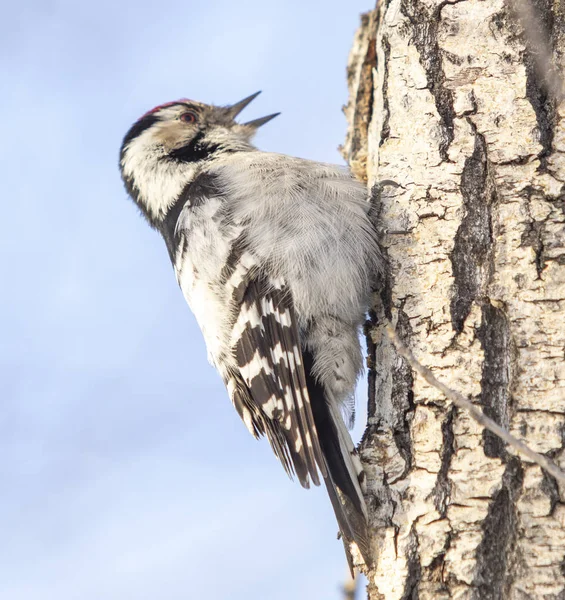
x=277 y=392
x=271 y=379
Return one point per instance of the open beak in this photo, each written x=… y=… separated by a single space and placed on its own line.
x=236 y=108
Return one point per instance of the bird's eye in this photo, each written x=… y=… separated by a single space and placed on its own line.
x=188 y=117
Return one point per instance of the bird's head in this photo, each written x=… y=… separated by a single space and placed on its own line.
x=167 y=146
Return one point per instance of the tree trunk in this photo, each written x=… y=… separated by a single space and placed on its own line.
x=446 y=101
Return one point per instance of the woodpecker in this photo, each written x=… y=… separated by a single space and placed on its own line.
x=274 y=255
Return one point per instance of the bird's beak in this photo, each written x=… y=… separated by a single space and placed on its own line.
x=236 y=108
x=256 y=123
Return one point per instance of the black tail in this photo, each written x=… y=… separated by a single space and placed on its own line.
x=342 y=465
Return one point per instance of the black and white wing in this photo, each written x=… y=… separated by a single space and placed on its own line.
x=269 y=387
x=275 y=393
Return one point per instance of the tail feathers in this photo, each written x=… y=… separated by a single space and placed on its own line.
x=344 y=485
x=352 y=523
x=349 y=460
x=345 y=474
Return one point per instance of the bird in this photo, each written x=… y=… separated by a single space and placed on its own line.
x=274 y=254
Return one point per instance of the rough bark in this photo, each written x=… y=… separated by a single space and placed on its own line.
x=445 y=100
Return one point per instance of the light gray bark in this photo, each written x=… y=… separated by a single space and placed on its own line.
x=446 y=101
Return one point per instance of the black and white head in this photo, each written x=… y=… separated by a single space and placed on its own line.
x=165 y=149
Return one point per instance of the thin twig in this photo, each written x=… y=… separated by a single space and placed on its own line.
x=477 y=414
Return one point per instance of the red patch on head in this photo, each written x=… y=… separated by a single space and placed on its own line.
x=149 y=112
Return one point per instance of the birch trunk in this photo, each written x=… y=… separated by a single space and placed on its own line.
x=446 y=101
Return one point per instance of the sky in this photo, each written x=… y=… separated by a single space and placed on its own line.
x=125 y=471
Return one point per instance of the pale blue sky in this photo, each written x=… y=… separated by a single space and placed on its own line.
x=126 y=473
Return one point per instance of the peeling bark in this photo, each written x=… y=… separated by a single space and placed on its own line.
x=446 y=100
